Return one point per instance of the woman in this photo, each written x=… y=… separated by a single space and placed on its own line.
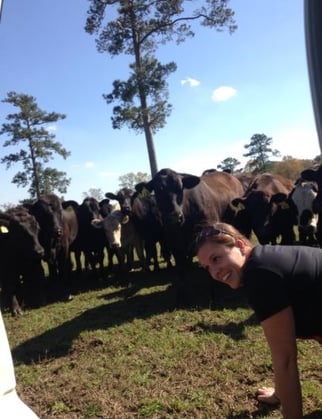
x=284 y=287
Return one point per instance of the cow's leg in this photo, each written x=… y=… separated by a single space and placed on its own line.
x=129 y=251
x=151 y=255
x=9 y=288
x=34 y=286
x=78 y=260
x=140 y=252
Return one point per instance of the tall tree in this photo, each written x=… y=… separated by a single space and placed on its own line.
x=139 y=27
x=260 y=152
x=229 y=164
x=129 y=180
x=28 y=128
x=96 y=193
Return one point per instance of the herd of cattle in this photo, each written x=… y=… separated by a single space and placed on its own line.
x=163 y=214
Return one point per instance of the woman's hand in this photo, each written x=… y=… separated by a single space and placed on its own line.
x=267 y=395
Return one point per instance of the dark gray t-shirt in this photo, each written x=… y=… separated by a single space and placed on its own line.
x=276 y=277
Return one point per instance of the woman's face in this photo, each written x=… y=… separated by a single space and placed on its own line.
x=223 y=263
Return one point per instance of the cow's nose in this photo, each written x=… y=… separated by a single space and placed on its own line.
x=59 y=232
x=181 y=218
x=41 y=252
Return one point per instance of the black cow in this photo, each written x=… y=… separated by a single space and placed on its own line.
x=22 y=276
x=58 y=229
x=283 y=218
x=89 y=240
x=147 y=219
x=186 y=202
x=255 y=207
x=315 y=175
x=303 y=196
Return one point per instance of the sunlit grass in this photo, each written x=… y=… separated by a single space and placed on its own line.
x=109 y=353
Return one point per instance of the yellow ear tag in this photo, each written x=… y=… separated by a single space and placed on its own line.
x=284 y=205
x=240 y=207
x=4 y=229
x=125 y=219
x=144 y=193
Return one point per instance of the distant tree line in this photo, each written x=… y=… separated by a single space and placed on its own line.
x=28 y=131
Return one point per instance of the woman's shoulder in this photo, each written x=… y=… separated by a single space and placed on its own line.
x=284 y=260
x=261 y=250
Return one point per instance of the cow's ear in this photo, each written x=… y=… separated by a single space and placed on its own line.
x=145 y=193
x=190 y=181
x=140 y=187
x=4 y=229
x=97 y=223
x=125 y=219
x=278 y=198
x=111 y=195
x=70 y=203
x=309 y=174
x=238 y=203
x=4 y=223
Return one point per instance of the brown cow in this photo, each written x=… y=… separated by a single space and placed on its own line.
x=185 y=203
x=254 y=208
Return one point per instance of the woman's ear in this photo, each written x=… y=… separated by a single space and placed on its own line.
x=241 y=246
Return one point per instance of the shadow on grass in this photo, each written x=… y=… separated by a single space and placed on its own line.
x=317 y=414
x=58 y=341
x=264 y=410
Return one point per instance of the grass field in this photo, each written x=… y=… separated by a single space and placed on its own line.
x=120 y=349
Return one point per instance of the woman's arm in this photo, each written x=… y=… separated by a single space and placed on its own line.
x=279 y=331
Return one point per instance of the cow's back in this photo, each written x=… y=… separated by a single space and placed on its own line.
x=270 y=184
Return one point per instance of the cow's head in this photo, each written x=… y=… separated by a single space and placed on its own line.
x=22 y=229
x=169 y=187
x=283 y=217
x=123 y=196
x=89 y=209
x=105 y=207
x=48 y=211
x=112 y=226
x=241 y=218
x=253 y=213
x=315 y=176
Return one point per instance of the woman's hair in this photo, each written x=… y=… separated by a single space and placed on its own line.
x=219 y=233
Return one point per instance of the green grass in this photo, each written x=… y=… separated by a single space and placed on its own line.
x=116 y=353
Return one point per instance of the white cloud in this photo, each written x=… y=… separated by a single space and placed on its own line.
x=89 y=165
x=223 y=93
x=192 y=82
x=52 y=128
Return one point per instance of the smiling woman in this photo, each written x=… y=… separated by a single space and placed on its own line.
x=284 y=288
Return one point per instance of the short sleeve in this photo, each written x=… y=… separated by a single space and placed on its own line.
x=267 y=293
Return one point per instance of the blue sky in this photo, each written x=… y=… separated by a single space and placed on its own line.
x=46 y=53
